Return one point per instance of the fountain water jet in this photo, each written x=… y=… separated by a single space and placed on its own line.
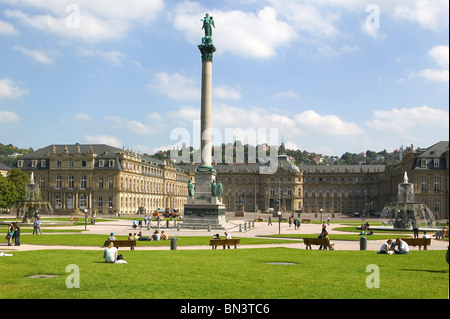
x=405 y=211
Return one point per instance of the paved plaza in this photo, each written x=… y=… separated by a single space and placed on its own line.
x=124 y=227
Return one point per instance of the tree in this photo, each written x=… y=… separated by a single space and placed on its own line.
x=8 y=194
x=19 y=180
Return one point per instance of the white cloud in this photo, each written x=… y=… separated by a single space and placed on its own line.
x=175 y=86
x=287 y=94
x=226 y=92
x=130 y=125
x=252 y=35
x=113 y=56
x=98 y=20
x=7 y=28
x=103 y=139
x=82 y=117
x=9 y=90
x=429 y=14
x=37 y=55
x=440 y=55
x=8 y=116
x=409 y=120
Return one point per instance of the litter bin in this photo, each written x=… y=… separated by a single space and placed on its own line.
x=363 y=243
x=173 y=243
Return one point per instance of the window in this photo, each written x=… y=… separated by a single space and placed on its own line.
x=101 y=163
x=111 y=163
x=83 y=163
x=20 y=163
x=71 y=181
x=110 y=183
x=83 y=201
x=100 y=202
x=57 y=201
x=58 y=163
x=33 y=163
x=272 y=192
x=58 y=182
x=83 y=182
x=42 y=182
x=437 y=185
x=436 y=162
x=43 y=163
x=437 y=206
x=423 y=163
x=423 y=185
x=100 y=182
x=70 y=163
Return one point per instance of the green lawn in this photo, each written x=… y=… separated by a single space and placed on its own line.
x=226 y=274
x=99 y=240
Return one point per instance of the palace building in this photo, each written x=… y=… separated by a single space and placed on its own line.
x=103 y=178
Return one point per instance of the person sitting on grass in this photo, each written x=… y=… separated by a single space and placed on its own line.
x=164 y=236
x=386 y=247
x=156 y=235
x=110 y=253
x=403 y=247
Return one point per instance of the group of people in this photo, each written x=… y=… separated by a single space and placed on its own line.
x=37 y=226
x=324 y=234
x=389 y=247
x=227 y=236
x=13 y=232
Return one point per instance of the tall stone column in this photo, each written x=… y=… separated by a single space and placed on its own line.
x=204 y=208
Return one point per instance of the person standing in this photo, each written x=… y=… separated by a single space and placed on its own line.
x=270 y=220
x=16 y=234
x=416 y=228
x=10 y=234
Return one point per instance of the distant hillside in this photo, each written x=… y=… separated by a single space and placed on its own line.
x=8 y=153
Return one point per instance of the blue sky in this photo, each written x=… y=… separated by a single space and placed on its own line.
x=326 y=76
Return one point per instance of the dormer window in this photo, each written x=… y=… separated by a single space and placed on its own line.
x=423 y=163
x=436 y=162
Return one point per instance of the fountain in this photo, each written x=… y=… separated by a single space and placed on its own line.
x=405 y=211
x=32 y=206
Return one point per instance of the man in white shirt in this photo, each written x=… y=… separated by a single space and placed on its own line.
x=403 y=247
x=227 y=236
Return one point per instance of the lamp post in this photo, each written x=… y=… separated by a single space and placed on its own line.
x=279 y=222
x=85 y=218
x=321 y=212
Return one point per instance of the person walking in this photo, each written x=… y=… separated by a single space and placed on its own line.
x=270 y=220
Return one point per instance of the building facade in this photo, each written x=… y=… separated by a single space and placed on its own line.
x=102 y=178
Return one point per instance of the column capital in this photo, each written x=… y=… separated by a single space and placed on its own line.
x=207 y=49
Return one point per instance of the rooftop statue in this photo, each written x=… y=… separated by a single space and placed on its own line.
x=207 y=23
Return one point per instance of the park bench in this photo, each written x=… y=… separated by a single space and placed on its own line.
x=224 y=242
x=306 y=221
x=122 y=243
x=415 y=242
x=318 y=241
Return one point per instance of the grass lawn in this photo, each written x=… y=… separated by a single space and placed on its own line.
x=99 y=240
x=226 y=274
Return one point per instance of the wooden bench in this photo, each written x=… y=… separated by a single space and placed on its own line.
x=122 y=243
x=224 y=242
x=318 y=241
x=306 y=221
x=414 y=242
